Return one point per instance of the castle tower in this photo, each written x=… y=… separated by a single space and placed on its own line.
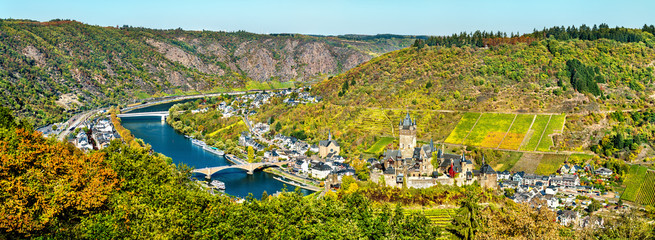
x=407 y=141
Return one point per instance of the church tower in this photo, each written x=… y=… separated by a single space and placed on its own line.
x=407 y=141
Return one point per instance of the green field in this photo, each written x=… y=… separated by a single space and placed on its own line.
x=634 y=180
x=463 y=128
x=379 y=146
x=490 y=130
x=646 y=193
x=515 y=136
x=537 y=129
x=550 y=163
x=555 y=126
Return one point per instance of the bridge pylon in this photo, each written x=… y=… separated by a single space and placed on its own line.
x=250 y=170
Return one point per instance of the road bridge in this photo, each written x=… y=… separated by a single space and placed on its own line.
x=162 y=115
x=248 y=167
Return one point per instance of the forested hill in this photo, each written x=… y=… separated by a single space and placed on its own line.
x=554 y=70
x=49 y=67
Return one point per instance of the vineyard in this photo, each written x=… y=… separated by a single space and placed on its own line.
x=646 y=193
x=633 y=182
x=439 y=217
x=527 y=132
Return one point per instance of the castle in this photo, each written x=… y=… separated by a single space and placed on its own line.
x=414 y=164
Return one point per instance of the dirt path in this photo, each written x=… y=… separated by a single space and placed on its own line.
x=528 y=134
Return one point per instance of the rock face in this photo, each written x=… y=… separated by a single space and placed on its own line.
x=271 y=59
x=176 y=54
x=262 y=59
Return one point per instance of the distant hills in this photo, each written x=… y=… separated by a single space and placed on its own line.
x=47 y=68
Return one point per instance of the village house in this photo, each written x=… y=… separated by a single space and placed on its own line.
x=565 y=181
x=604 y=172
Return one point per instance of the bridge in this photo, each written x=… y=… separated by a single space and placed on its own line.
x=248 y=167
x=162 y=115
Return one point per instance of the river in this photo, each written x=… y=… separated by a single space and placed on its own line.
x=164 y=139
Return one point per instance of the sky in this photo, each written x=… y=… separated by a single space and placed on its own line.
x=335 y=17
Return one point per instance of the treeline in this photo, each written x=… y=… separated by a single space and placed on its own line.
x=584 y=32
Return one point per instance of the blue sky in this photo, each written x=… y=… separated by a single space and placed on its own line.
x=330 y=17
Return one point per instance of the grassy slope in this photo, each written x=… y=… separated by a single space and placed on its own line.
x=378 y=147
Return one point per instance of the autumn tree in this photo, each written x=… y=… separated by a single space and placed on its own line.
x=45 y=186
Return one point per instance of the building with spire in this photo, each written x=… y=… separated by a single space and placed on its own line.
x=328 y=147
x=407 y=136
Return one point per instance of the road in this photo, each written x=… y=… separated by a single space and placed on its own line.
x=178 y=98
x=75 y=121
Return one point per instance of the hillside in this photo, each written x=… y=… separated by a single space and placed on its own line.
x=547 y=75
x=49 y=67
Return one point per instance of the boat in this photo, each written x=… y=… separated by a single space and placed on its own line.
x=218 y=184
x=198 y=142
x=213 y=150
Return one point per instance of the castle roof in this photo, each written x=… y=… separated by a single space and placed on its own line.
x=407 y=122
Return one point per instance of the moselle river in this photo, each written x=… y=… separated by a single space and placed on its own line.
x=164 y=139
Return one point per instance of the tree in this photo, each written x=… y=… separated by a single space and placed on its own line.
x=251 y=154
x=594 y=206
x=435 y=160
x=6 y=119
x=47 y=184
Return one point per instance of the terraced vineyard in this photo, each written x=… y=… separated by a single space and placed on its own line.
x=463 y=128
x=490 y=130
x=555 y=126
x=633 y=182
x=516 y=134
x=646 y=193
x=439 y=217
x=527 y=132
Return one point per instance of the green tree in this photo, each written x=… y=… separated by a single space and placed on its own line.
x=594 y=206
x=6 y=119
x=251 y=154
